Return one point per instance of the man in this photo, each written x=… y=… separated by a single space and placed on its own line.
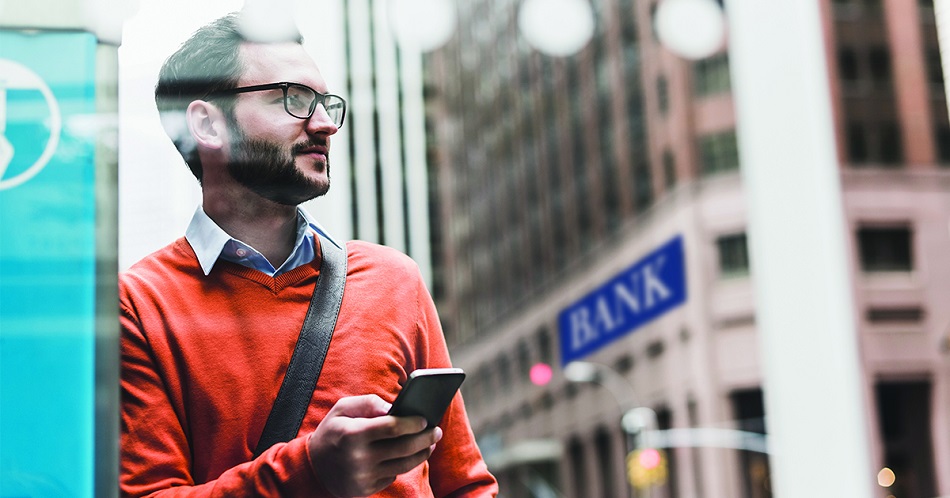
x=209 y=322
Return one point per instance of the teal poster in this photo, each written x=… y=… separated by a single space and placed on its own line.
x=47 y=263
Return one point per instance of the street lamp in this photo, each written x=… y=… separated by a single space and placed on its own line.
x=645 y=463
x=692 y=29
x=423 y=25
x=558 y=28
x=636 y=419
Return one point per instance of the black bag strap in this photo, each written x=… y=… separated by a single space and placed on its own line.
x=311 y=349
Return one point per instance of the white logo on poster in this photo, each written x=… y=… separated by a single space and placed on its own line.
x=18 y=77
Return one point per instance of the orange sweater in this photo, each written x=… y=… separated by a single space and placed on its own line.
x=204 y=356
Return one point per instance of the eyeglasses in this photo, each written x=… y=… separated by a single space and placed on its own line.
x=299 y=100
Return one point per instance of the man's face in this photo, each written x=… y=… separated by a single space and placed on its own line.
x=279 y=157
x=269 y=169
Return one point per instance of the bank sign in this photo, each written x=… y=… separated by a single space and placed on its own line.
x=651 y=287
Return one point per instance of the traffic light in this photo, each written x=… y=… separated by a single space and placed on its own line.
x=646 y=467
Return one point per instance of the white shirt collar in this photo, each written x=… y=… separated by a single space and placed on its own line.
x=208 y=240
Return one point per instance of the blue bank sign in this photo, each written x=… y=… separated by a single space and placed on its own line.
x=651 y=287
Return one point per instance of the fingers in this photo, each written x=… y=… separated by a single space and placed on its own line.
x=402 y=465
x=407 y=446
x=359 y=450
x=369 y=415
x=367 y=406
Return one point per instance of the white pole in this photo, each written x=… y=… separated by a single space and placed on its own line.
x=812 y=382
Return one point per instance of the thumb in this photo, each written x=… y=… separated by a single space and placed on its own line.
x=366 y=406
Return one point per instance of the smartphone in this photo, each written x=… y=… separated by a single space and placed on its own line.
x=428 y=393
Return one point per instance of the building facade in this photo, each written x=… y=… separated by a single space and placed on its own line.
x=552 y=176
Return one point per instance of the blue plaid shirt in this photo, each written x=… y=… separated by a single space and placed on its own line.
x=210 y=242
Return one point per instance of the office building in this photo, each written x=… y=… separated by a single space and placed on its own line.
x=555 y=178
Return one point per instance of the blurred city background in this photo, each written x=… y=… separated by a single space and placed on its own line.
x=671 y=268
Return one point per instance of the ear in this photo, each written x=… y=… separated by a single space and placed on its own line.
x=207 y=124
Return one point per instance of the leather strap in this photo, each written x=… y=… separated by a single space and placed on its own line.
x=292 y=401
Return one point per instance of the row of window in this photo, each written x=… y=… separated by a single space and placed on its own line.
x=880 y=249
x=875 y=5
x=710 y=77
x=866 y=73
x=872 y=64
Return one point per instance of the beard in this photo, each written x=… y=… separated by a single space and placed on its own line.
x=271 y=172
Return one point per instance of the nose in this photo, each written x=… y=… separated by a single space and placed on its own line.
x=320 y=122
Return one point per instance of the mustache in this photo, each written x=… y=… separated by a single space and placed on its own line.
x=309 y=144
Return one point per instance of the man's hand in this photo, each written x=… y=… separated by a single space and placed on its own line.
x=358 y=450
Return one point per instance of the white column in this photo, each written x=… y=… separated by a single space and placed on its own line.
x=360 y=106
x=815 y=405
x=390 y=143
x=325 y=42
x=417 y=174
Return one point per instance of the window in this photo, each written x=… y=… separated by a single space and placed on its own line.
x=857 y=143
x=624 y=364
x=577 y=461
x=719 y=152
x=905 y=415
x=890 y=141
x=628 y=25
x=878 y=143
x=879 y=64
x=895 y=314
x=544 y=346
x=524 y=361
x=605 y=462
x=664 y=422
x=711 y=75
x=585 y=217
x=942 y=133
x=885 y=249
x=847 y=64
x=692 y=414
x=749 y=411
x=643 y=186
x=733 y=255
x=656 y=36
x=669 y=169
x=935 y=69
x=662 y=94
x=613 y=204
x=504 y=372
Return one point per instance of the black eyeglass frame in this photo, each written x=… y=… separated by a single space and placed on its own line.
x=284 y=86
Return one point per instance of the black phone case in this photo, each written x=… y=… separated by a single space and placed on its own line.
x=427 y=396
